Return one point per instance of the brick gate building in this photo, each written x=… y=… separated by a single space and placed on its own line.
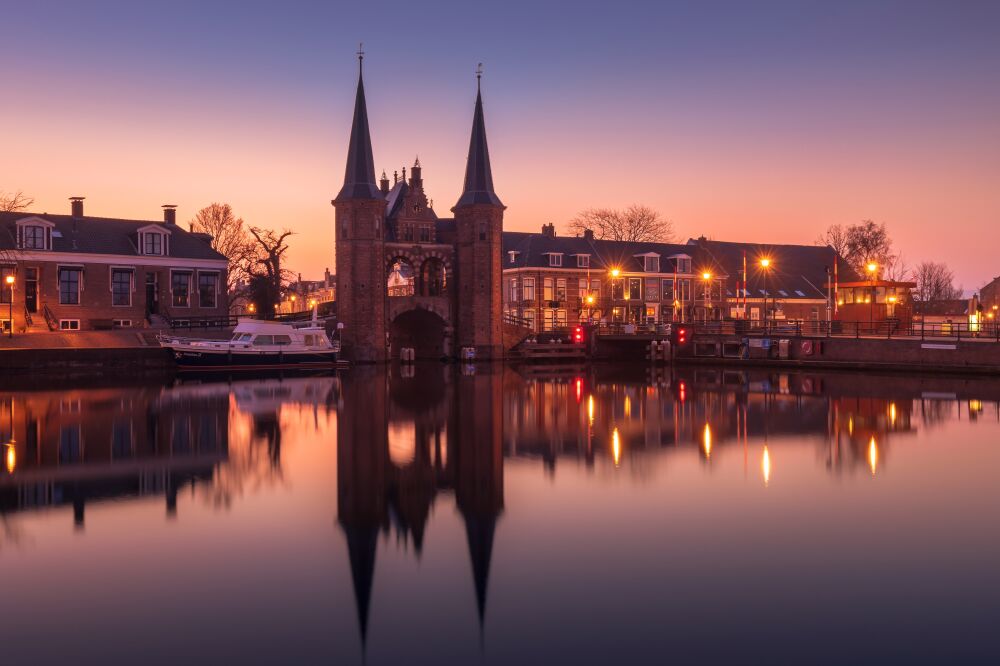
x=406 y=277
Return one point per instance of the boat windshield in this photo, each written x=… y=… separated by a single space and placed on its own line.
x=242 y=337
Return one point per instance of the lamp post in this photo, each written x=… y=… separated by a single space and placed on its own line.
x=10 y=282
x=765 y=265
x=872 y=269
x=614 y=272
x=590 y=308
x=707 y=277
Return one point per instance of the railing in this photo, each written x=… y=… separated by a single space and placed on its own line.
x=888 y=329
x=50 y=319
x=513 y=319
x=27 y=317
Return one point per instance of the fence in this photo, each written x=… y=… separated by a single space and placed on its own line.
x=887 y=329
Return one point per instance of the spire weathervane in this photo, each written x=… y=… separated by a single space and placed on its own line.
x=360 y=54
x=479 y=74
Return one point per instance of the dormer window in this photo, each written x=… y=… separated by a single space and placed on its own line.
x=683 y=263
x=652 y=264
x=513 y=256
x=555 y=259
x=583 y=261
x=34 y=233
x=154 y=242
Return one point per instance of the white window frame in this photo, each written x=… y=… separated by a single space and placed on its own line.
x=69 y=324
x=164 y=241
x=555 y=259
x=131 y=284
x=218 y=279
x=79 y=283
x=583 y=261
x=190 y=273
x=35 y=222
x=651 y=264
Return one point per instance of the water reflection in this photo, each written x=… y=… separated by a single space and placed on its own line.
x=408 y=440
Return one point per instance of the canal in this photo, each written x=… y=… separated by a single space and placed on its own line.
x=613 y=514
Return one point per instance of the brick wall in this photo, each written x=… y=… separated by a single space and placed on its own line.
x=95 y=303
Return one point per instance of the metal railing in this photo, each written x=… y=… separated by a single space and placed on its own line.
x=887 y=329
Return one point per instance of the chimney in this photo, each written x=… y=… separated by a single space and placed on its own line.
x=549 y=230
x=76 y=206
x=588 y=234
x=416 y=181
x=169 y=213
x=384 y=183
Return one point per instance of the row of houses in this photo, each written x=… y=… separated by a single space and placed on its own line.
x=77 y=272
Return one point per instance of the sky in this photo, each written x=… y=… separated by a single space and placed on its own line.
x=762 y=121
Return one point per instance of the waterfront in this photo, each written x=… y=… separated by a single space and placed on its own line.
x=460 y=515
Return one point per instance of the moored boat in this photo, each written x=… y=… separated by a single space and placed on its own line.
x=257 y=344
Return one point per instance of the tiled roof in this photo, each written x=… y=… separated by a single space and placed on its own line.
x=104 y=235
x=796 y=271
x=533 y=250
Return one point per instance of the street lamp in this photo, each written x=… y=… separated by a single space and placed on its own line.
x=706 y=276
x=872 y=269
x=251 y=308
x=590 y=307
x=765 y=265
x=10 y=281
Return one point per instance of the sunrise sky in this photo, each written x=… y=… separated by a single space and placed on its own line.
x=742 y=121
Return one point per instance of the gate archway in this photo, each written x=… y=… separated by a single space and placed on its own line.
x=422 y=330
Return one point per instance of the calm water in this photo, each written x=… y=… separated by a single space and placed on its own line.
x=610 y=516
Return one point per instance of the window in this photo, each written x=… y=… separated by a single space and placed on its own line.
x=407 y=233
x=683 y=264
x=529 y=319
x=652 y=264
x=425 y=235
x=513 y=256
x=180 y=289
x=560 y=319
x=33 y=237
x=121 y=323
x=634 y=288
x=555 y=259
x=717 y=290
x=263 y=340
x=685 y=289
x=583 y=261
x=5 y=290
x=547 y=289
x=595 y=288
x=561 y=289
x=513 y=296
x=652 y=289
x=582 y=287
x=69 y=324
x=529 y=289
x=208 y=288
x=121 y=286
x=69 y=286
x=548 y=319
x=668 y=289
x=618 y=289
x=152 y=243
x=282 y=340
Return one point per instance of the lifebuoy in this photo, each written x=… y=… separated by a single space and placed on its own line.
x=807 y=347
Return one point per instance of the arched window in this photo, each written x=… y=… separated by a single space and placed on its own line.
x=401 y=278
x=433 y=278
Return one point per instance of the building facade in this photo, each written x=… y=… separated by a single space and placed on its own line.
x=551 y=281
x=78 y=272
x=407 y=278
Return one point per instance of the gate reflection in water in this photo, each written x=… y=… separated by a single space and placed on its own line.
x=459 y=513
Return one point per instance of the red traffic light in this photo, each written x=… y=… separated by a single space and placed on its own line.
x=578 y=334
x=682 y=335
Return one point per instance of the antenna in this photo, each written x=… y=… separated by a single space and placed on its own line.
x=479 y=74
x=360 y=54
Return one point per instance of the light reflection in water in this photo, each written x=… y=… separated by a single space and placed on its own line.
x=11 y=458
x=616 y=447
x=765 y=466
x=872 y=455
x=706 y=441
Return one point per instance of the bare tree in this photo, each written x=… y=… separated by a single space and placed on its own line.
x=15 y=201
x=267 y=277
x=229 y=238
x=634 y=224
x=935 y=281
x=897 y=270
x=860 y=244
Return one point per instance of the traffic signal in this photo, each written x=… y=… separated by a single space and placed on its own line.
x=681 y=335
x=578 y=334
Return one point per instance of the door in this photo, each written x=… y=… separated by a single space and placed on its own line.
x=152 y=293
x=31 y=290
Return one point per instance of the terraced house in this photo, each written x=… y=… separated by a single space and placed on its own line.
x=552 y=281
x=77 y=272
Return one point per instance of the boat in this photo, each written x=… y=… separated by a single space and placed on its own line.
x=257 y=344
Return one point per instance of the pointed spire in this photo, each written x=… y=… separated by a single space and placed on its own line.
x=478 y=175
x=361 y=546
x=479 y=531
x=359 y=179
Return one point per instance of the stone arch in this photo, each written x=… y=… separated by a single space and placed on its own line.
x=424 y=329
x=401 y=275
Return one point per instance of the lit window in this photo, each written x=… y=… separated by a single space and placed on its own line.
x=180 y=289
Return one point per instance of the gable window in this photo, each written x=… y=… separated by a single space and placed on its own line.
x=121 y=286
x=555 y=259
x=69 y=285
x=33 y=237
x=208 y=287
x=152 y=243
x=652 y=264
x=583 y=261
x=180 y=289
